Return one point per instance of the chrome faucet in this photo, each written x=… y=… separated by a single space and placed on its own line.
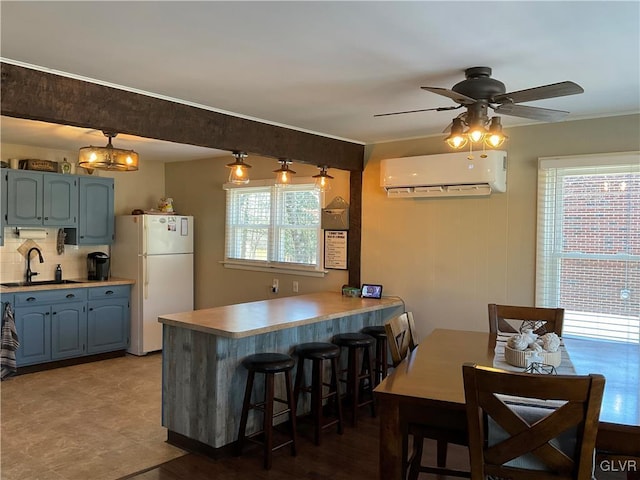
x=30 y=274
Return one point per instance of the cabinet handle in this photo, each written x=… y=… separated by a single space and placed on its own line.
x=31 y=299
x=71 y=295
x=91 y=309
x=109 y=292
x=47 y=313
x=46 y=218
x=39 y=218
x=55 y=313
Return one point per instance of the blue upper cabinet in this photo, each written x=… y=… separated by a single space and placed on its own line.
x=41 y=199
x=3 y=205
x=24 y=198
x=60 y=207
x=96 y=216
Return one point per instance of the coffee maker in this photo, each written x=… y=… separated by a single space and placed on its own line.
x=98 y=264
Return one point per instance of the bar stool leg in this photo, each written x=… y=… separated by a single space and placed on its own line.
x=334 y=388
x=353 y=384
x=245 y=413
x=316 y=398
x=368 y=360
x=292 y=414
x=268 y=419
x=299 y=379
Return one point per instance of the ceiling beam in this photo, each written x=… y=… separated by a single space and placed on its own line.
x=37 y=95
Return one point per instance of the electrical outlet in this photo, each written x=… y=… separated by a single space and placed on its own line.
x=275 y=285
x=295 y=287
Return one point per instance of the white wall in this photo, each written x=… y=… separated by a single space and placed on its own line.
x=448 y=258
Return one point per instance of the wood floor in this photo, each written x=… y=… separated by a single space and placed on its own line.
x=351 y=456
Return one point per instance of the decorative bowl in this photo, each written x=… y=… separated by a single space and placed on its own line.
x=518 y=358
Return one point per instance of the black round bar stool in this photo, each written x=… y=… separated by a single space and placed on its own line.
x=360 y=373
x=318 y=352
x=381 y=362
x=268 y=364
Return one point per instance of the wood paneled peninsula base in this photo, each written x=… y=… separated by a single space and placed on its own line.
x=202 y=377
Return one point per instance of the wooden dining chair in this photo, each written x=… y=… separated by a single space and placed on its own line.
x=525 y=426
x=401 y=337
x=509 y=318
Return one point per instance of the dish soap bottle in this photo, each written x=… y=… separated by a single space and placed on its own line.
x=58 y=273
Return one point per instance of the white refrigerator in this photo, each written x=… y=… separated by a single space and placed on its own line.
x=157 y=252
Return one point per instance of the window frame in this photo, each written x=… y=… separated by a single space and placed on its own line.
x=551 y=240
x=275 y=228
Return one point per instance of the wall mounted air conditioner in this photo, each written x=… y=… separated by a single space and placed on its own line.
x=445 y=175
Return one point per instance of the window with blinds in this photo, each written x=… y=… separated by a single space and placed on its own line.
x=588 y=243
x=272 y=226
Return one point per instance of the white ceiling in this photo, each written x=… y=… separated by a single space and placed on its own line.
x=325 y=67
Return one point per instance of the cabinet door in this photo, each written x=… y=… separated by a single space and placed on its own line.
x=108 y=325
x=3 y=204
x=68 y=330
x=33 y=325
x=24 y=198
x=60 y=205
x=96 y=220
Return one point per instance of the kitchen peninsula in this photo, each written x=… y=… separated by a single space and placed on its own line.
x=202 y=378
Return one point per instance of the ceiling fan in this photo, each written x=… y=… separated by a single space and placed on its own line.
x=479 y=91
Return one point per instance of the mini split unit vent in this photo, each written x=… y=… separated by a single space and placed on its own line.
x=445 y=175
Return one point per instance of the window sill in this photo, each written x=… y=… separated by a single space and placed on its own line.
x=276 y=269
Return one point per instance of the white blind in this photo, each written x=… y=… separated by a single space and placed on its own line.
x=588 y=243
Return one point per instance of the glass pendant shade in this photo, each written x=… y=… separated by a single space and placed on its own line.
x=239 y=173
x=323 y=180
x=495 y=137
x=108 y=158
x=284 y=173
x=476 y=132
x=457 y=139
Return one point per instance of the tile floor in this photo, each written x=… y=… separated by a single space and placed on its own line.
x=98 y=421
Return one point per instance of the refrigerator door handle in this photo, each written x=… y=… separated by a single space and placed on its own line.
x=145 y=277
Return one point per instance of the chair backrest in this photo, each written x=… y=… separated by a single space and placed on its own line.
x=399 y=337
x=546 y=429
x=541 y=320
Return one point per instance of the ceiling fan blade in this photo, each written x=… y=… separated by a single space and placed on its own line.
x=534 y=113
x=455 y=96
x=560 y=89
x=438 y=109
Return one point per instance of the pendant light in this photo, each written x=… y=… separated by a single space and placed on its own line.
x=239 y=173
x=283 y=174
x=108 y=158
x=323 y=179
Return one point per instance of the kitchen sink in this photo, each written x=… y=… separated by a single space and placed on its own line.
x=36 y=283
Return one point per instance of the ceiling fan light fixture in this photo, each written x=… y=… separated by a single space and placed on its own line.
x=457 y=138
x=108 y=158
x=323 y=179
x=284 y=173
x=239 y=173
x=495 y=138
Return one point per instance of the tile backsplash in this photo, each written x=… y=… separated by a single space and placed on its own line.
x=73 y=261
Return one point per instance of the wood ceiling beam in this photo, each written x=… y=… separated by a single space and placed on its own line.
x=37 y=95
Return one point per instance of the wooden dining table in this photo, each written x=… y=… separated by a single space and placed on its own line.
x=427 y=388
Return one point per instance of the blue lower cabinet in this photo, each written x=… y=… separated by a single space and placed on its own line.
x=108 y=325
x=68 y=330
x=33 y=325
x=67 y=323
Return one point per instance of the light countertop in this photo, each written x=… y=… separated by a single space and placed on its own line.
x=254 y=318
x=82 y=283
